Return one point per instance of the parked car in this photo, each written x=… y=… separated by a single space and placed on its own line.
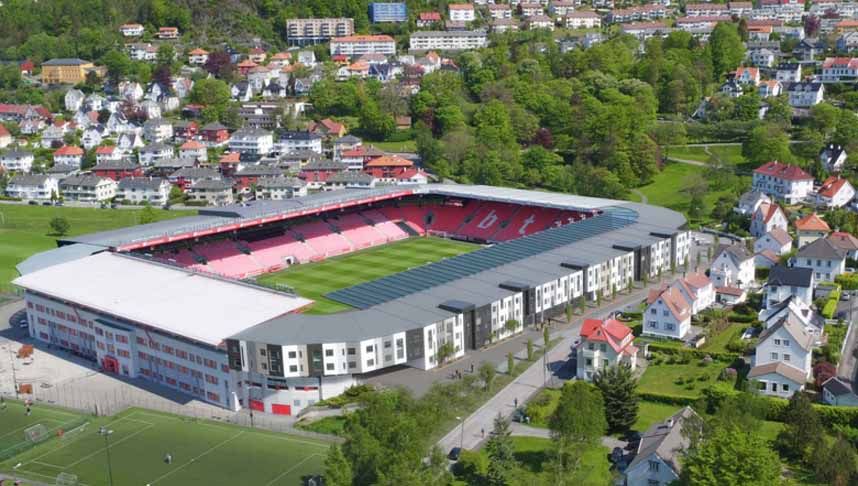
x=454 y=453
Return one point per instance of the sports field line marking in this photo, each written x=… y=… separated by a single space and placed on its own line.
x=27 y=426
x=51 y=431
x=112 y=444
x=47 y=464
x=193 y=459
x=70 y=443
x=199 y=422
x=52 y=478
x=269 y=483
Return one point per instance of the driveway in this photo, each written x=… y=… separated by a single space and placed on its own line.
x=847 y=366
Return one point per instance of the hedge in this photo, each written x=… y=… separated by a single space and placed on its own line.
x=741 y=318
x=666 y=399
x=847 y=281
x=693 y=353
x=831 y=306
x=830 y=415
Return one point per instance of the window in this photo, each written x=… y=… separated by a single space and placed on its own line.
x=589 y=361
x=653 y=324
x=329 y=366
x=777 y=342
x=774 y=387
x=774 y=356
x=293 y=369
x=352 y=364
x=292 y=354
x=369 y=348
x=351 y=351
x=785 y=387
x=669 y=326
x=387 y=344
x=261 y=352
x=591 y=346
x=786 y=343
x=329 y=352
x=786 y=357
x=603 y=347
x=653 y=311
x=653 y=466
x=370 y=362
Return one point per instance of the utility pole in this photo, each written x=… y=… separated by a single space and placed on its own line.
x=105 y=432
x=14 y=378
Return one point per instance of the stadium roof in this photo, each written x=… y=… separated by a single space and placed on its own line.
x=169 y=299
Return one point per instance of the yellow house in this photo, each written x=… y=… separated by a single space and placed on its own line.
x=67 y=71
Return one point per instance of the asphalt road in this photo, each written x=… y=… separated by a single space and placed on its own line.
x=847 y=366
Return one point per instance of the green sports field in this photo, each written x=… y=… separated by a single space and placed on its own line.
x=204 y=453
x=14 y=420
x=314 y=280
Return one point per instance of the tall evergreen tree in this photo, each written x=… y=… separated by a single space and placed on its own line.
x=803 y=429
x=619 y=390
x=500 y=451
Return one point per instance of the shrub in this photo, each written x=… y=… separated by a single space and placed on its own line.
x=666 y=399
x=685 y=355
x=728 y=374
x=847 y=281
x=472 y=466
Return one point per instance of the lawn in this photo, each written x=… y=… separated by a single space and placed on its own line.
x=406 y=146
x=688 y=153
x=533 y=452
x=24 y=230
x=314 y=280
x=718 y=343
x=650 y=413
x=328 y=425
x=681 y=380
x=14 y=421
x=203 y=453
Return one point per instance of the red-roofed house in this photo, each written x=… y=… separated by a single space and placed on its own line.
x=748 y=75
x=193 y=150
x=846 y=242
x=245 y=66
x=358 y=45
x=257 y=55
x=426 y=19
x=327 y=128
x=604 y=344
x=839 y=70
x=117 y=169
x=68 y=155
x=463 y=12
x=835 y=192
x=165 y=33
x=767 y=217
x=668 y=314
x=387 y=168
x=412 y=176
x=230 y=163
x=787 y=182
x=108 y=153
x=811 y=228
x=198 y=56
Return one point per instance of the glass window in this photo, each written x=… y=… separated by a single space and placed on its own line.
x=351 y=351
x=329 y=352
x=293 y=368
x=329 y=366
x=774 y=356
x=292 y=354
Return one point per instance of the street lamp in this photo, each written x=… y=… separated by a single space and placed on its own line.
x=15 y=472
x=462 y=433
x=12 y=366
x=105 y=432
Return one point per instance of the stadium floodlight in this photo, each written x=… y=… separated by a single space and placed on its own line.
x=105 y=432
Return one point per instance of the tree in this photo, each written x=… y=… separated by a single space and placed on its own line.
x=500 y=451
x=59 y=226
x=619 y=390
x=445 y=351
x=210 y=92
x=822 y=371
x=766 y=143
x=338 y=470
x=803 y=429
x=510 y=363
x=147 y=215
x=730 y=456
x=487 y=374
x=726 y=48
x=118 y=65
x=837 y=465
x=530 y=349
x=577 y=423
x=165 y=56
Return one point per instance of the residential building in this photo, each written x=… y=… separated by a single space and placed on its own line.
x=349 y=180
x=810 y=228
x=668 y=314
x=251 y=141
x=733 y=266
x=427 y=19
x=767 y=217
x=747 y=75
x=798 y=310
x=214 y=134
x=16 y=161
x=846 y=243
x=833 y=157
x=33 y=187
x=213 y=192
x=117 y=169
x=782 y=363
x=604 y=344
x=658 y=460
x=327 y=128
x=785 y=282
x=67 y=71
x=750 y=201
x=298 y=141
x=806 y=94
x=198 y=57
x=835 y=192
x=187 y=176
x=499 y=11
x=786 y=182
x=154 y=152
x=358 y=45
x=317 y=172
x=825 y=259
x=314 y=31
x=88 y=188
x=839 y=392
x=778 y=241
x=529 y=9
x=68 y=155
x=539 y=22
x=706 y=9
x=280 y=187
x=582 y=20
x=839 y=70
x=504 y=25
x=788 y=73
x=645 y=30
x=382 y=12
x=193 y=150
x=447 y=41
x=168 y=33
x=139 y=190
x=762 y=57
x=463 y=12
x=107 y=153
x=131 y=30
x=386 y=168
x=562 y=8
x=769 y=88
x=157 y=130
x=847 y=42
x=142 y=52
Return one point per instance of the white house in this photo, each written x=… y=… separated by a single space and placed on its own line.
x=782 y=362
x=604 y=344
x=767 y=217
x=797 y=310
x=733 y=267
x=73 y=100
x=747 y=75
x=302 y=140
x=846 y=242
x=462 y=12
x=769 y=88
x=810 y=228
x=279 y=188
x=154 y=152
x=211 y=191
x=107 y=154
x=154 y=190
x=68 y=155
x=16 y=161
x=251 y=141
x=835 y=192
x=131 y=30
x=838 y=391
x=33 y=187
x=750 y=201
x=582 y=20
x=832 y=157
x=825 y=259
x=777 y=240
x=785 y=282
x=804 y=94
x=157 y=130
x=839 y=70
x=659 y=456
x=198 y=56
x=88 y=188
x=786 y=182
x=193 y=150
x=788 y=73
x=667 y=314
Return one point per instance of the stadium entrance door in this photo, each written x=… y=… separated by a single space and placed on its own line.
x=110 y=364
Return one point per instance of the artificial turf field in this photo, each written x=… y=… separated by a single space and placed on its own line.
x=314 y=280
x=14 y=420
x=204 y=453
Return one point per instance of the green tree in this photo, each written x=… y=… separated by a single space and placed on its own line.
x=726 y=48
x=803 y=429
x=510 y=363
x=487 y=373
x=501 y=454
x=577 y=423
x=530 y=349
x=766 y=143
x=836 y=464
x=730 y=456
x=619 y=390
x=59 y=226
x=338 y=470
x=210 y=92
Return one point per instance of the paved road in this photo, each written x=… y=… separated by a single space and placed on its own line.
x=847 y=366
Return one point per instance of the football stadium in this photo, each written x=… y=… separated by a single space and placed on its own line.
x=274 y=305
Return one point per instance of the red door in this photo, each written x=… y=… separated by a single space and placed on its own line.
x=110 y=364
x=278 y=409
x=257 y=405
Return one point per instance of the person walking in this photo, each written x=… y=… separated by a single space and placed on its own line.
x=483 y=432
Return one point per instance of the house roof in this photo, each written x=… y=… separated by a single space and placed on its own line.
x=734 y=291
x=837 y=386
x=751 y=197
x=460 y=6
x=389 y=161
x=609 y=331
x=697 y=280
x=794 y=328
x=792 y=276
x=840 y=63
x=29 y=180
x=752 y=72
x=192 y=145
x=779 y=368
x=783 y=171
x=675 y=302
x=811 y=222
x=821 y=248
x=843 y=240
x=116 y=165
x=831 y=186
x=768 y=255
x=198 y=52
x=768 y=211
x=363 y=38
x=68 y=150
x=145 y=183
x=780 y=236
x=665 y=440
x=736 y=252
x=83 y=180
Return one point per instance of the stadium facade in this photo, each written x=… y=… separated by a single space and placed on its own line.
x=164 y=301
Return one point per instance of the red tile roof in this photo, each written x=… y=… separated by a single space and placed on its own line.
x=390 y=161
x=430 y=16
x=610 y=331
x=230 y=158
x=192 y=145
x=68 y=150
x=811 y=222
x=198 y=52
x=734 y=291
x=783 y=171
x=843 y=240
x=460 y=6
x=108 y=150
x=840 y=62
x=768 y=210
x=831 y=186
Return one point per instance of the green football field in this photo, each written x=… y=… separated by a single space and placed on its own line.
x=14 y=421
x=314 y=280
x=203 y=453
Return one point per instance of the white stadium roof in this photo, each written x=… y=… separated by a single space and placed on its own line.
x=193 y=306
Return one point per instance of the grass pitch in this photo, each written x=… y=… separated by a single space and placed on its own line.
x=14 y=420
x=204 y=453
x=24 y=230
x=314 y=280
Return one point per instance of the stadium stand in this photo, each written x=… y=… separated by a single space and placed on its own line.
x=319 y=236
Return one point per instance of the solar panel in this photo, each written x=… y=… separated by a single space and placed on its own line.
x=425 y=277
